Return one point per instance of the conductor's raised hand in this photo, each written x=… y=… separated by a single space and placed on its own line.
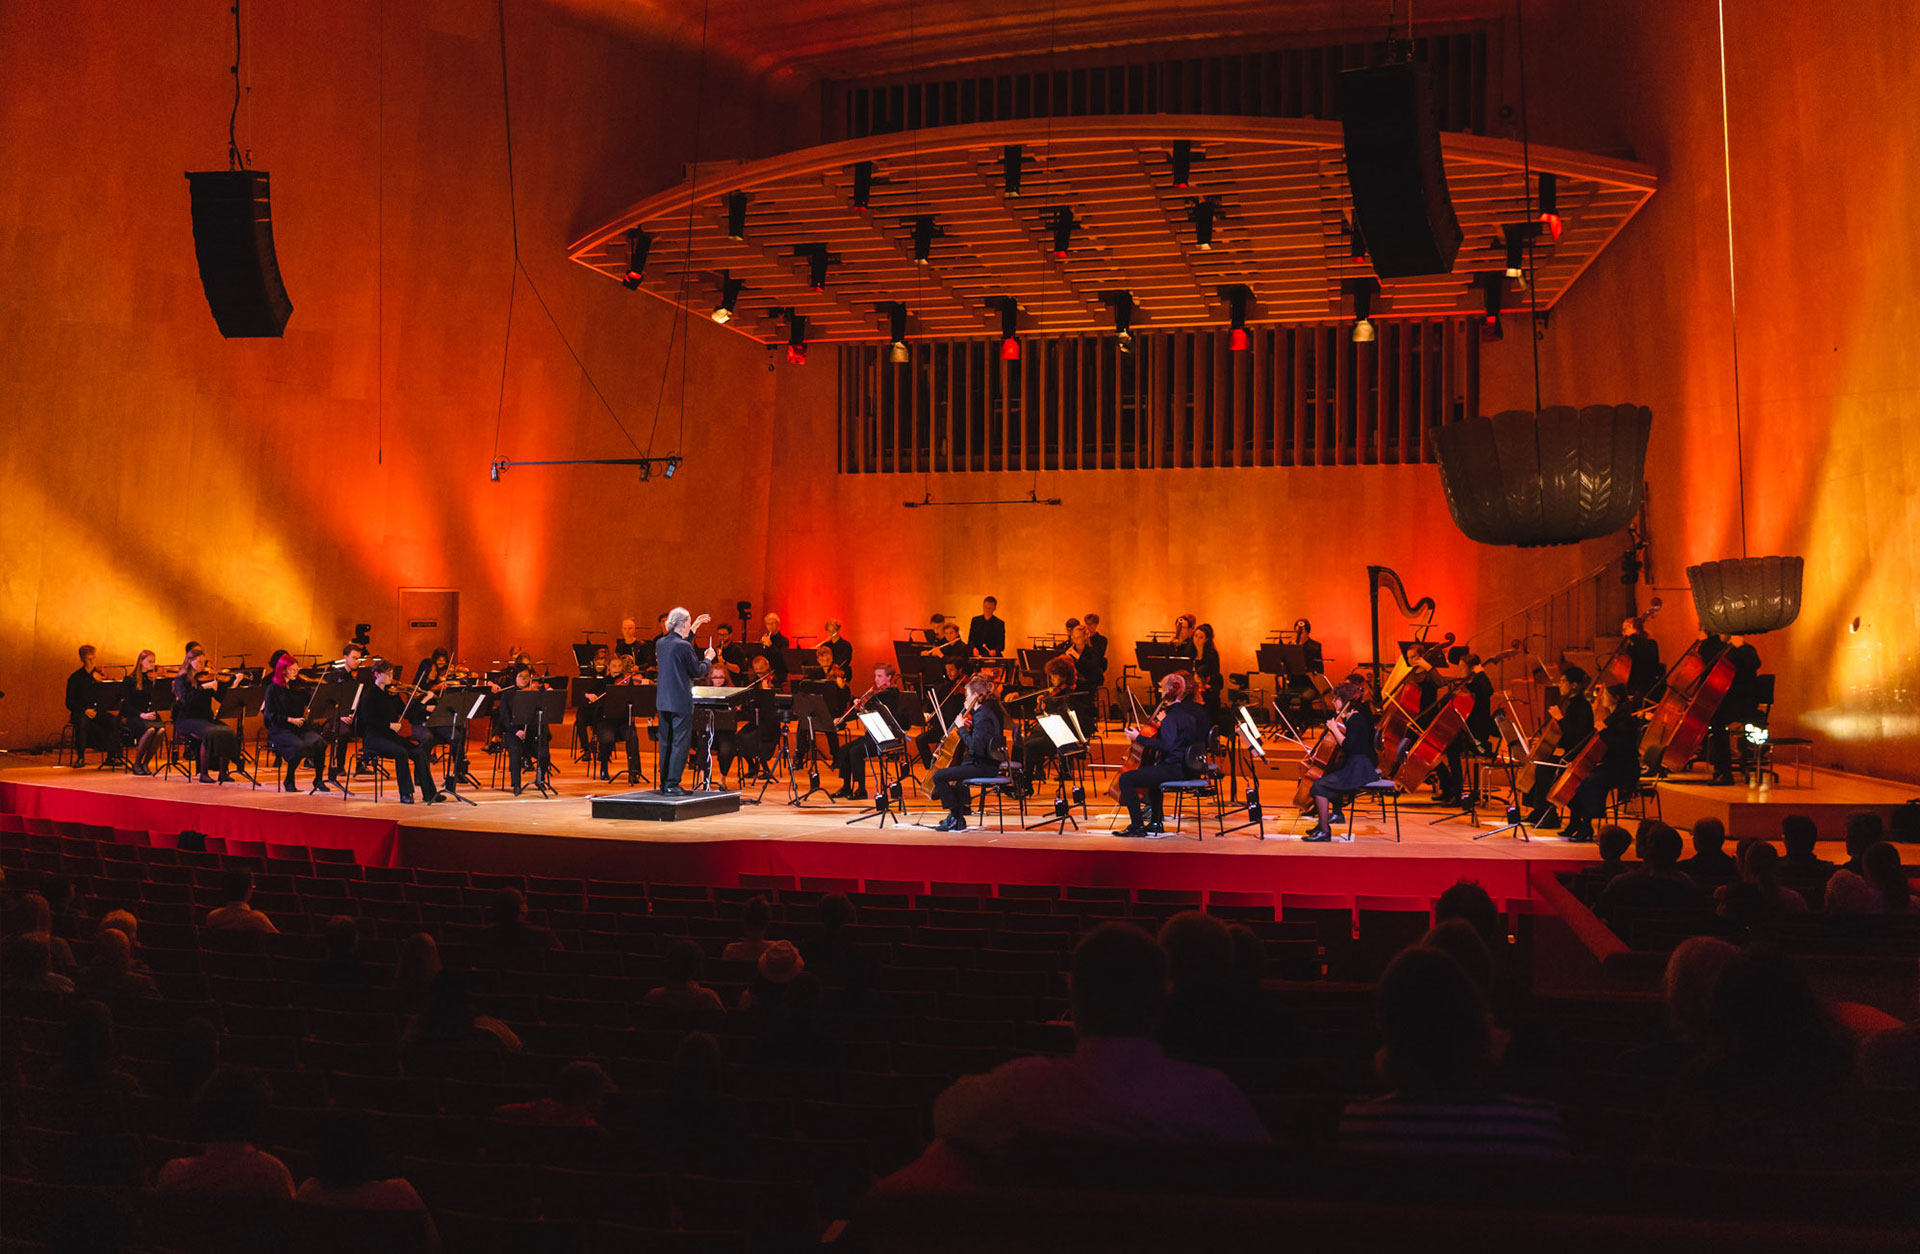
x=700 y=622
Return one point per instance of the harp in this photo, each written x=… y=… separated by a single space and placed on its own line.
x=1420 y=612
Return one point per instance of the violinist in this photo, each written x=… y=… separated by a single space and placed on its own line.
x=982 y=723
x=139 y=721
x=523 y=733
x=987 y=633
x=350 y=669
x=1206 y=671
x=1739 y=707
x=1036 y=749
x=1182 y=728
x=1352 y=726
x=762 y=675
x=92 y=727
x=194 y=689
x=776 y=646
x=851 y=759
x=1619 y=768
x=954 y=687
x=1182 y=645
x=285 y=715
x=1643 y=658
x=607 y=728
x=382 y=722
x=1573 y=711
x=434 y=672
x=757 y=738
x=1482 y=731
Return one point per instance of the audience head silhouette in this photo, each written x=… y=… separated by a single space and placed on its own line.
x=1119 y=982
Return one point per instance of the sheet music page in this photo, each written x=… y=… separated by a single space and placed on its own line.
x=876 y=727
x=1057 y=731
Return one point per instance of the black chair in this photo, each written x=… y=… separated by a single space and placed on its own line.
x=1204 y=783
x=1385 y=793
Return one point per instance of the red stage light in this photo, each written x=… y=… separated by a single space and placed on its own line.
x=796 y=354
x=1237 y=340
x=1553 y=224
x=1010 y=349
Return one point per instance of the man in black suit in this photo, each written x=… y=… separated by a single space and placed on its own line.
x=378 y=718
x=1185 y=725
x=679 y=667
x=92 y=729
x=987 y=633
x=1644 y=671
x=1094 y=656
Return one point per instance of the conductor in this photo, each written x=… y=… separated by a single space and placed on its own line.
x=679 y=667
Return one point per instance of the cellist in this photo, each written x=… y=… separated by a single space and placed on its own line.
x=1619 y=761
x=1183 y=725
x=1352 y=725
x=1572 y=710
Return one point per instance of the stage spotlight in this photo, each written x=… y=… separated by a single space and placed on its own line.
x=923 y=233
x=1513 y=241
x=796 y=339
x=897 y=333
x=1550 y=205
x=1356 y=242
x=1079 y=795
x=1122 y=303
x=1202 y=215
x=673 y=466
x=493 y=471
x=862 y=185
x=736 y=215
x=1492 y=283
x=1182 y=164
x=1363 y=291
x=818 y=259
x=1237 y=297
x=639 y=243
x=646 y=471
x=1009 y=326
x=1010 y=158
x=1253 y=804
x=729 y=297
x=1064 y=226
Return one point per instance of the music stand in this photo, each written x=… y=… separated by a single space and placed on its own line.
x=324 y=711
x=457 y=708
x=579 y=688
x=1067 y=742
x=234 y=703
x=712 y=701
x=810 y=712
x=538 y=710
x=614 y=706
x=583 y=656
x=1514 y=741
x=887 y=737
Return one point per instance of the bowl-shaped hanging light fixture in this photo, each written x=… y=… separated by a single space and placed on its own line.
x=1745 y=596
x=1557 y=478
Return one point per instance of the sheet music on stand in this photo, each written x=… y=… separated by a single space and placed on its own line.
x=1064 y=738
x=879 y=730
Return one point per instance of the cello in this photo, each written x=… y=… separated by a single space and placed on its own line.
x=1434 y=741
x=1314 y=766
x=1397 y=715
x=1136 y=751
x=1702 y=702
x=1667 y=715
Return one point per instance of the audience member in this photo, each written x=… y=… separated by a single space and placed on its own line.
x=89 y=1059
x=413 y=975
x=109 y=975
x=1771 y=1088
x=1881 y=868
x=32 y=916
x=1849 y=895
x=1799 y=834
x=755 y=914
x=1757 y=897
x=448 y=1023
x=1457 y=939
x=574 y=1101
x=779 y=963
x=683 y=989
x=341 y=966
x=1466 y=899
x=1436 y=1056
x=1205 y=1017
x=348 y=1174
x=229 y=1111
x=1864 y=830
x=1693 y=973
x=1656 y=884
x=122 y=921
x=63 y=907
x=238 y=914
x=29 y=966
x=1612 y=843
x=1118 y=1085
x=509 y=940
x=1710 y=860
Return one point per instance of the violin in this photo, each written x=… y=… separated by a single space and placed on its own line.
x=859 y=704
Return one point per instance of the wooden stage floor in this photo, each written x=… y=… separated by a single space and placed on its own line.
x=530 y=834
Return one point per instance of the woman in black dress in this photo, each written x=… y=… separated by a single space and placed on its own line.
x=139 y=720
x=286 y=716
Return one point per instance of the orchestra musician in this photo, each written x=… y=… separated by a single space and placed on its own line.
x=1184 y=726
x=1643 y=656
x=1482 y=731
x=954 y=698
x=841 y=648
x=850 y=761
x=951 y=646
x=1034 y=750
x=987 y=633
x=607 y=729
x=194 y=690
x=1619 y=768
x=1572 y=708
x=92 y=727
x=679 y=668
x=776 y=646
x=1427 y=681
x=139 y=721
x=731 y=665
x=1182 y=644
x=981 y=722
x=1353 y=727
x=286 y=720
x=1092 y=662
x=525 y=736
x=1206 y=671
x=385 y=732
x=601 y=656
x=1739 y=707
x=757 y=738
x=348 y=669
x=629 y=644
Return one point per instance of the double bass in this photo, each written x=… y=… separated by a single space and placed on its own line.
x=1702 y=702
x=1619 y=667
x=1684 y=676
x=1434 y=742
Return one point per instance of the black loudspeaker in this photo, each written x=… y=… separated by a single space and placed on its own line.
x=1394 y=167
x=233 y=239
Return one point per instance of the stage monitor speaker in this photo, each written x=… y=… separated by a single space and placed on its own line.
x=233 y=239
x=1395 y=170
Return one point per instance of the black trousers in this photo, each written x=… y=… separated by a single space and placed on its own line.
x=927 y=741
x=676 y=739
x=410 y=761
x=296 y=745
x=519 y=750
x=1543 y=780
x=219 y=746
x=607 y=735
x=93 y=731
x=950 y=792
x=1149 y=779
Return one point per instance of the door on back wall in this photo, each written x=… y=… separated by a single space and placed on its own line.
x=429 y=620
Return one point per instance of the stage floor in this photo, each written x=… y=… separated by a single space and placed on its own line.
x=559 y=836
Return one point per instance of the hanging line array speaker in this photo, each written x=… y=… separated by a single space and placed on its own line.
x=1395 y=170
x=233 y=240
